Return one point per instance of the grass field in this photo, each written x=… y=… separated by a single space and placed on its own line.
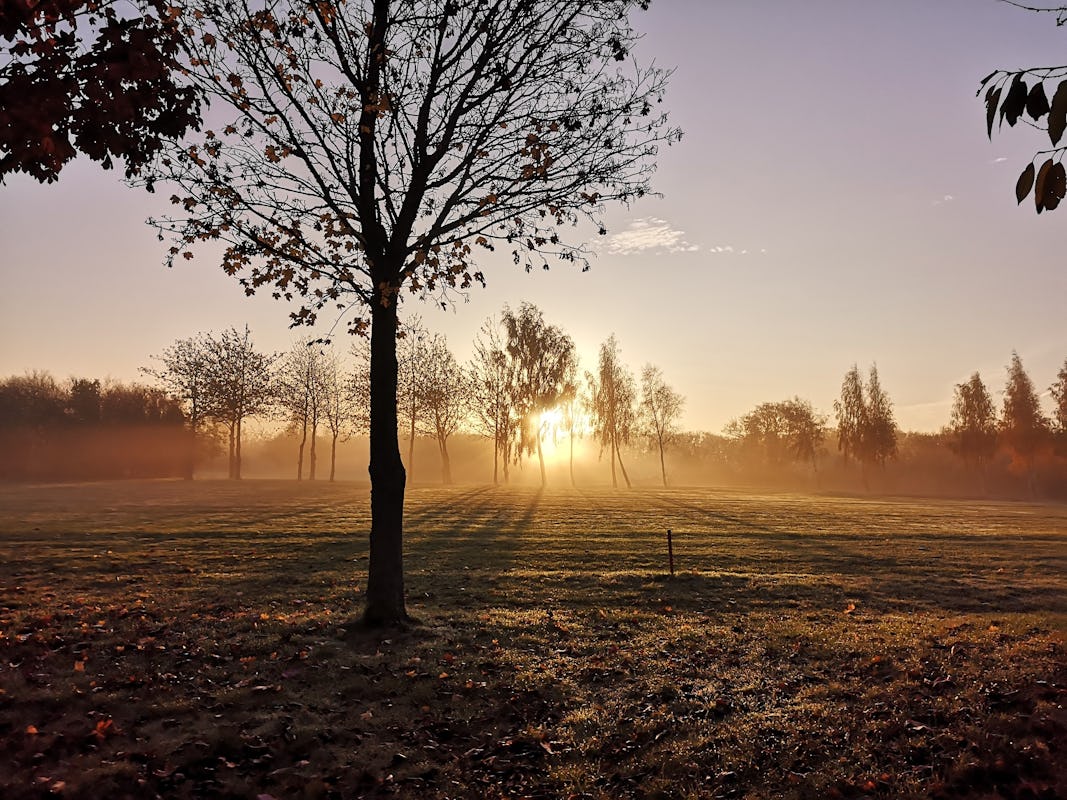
x=191 y=640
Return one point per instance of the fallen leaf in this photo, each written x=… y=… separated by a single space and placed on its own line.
x=32 y=730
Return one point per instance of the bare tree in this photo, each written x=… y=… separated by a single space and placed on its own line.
x=300 y=395
x=183 y=372
x=545 y=363
x=492 y=380
x=340 y=405
x=611 y=405
x=411 y=359
x=444 y=394
x=373 y=145
x=660 y=409
x=240 y=383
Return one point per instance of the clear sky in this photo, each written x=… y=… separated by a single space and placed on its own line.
x=835 y=200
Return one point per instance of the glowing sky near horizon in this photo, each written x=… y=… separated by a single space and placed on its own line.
x=835 y=200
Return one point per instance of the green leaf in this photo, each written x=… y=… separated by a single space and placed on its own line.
x=1026 y=182
x=1039 y=185
x=1057 y=115
x=1037 y=103
x=1015 y=101
x=992 y=98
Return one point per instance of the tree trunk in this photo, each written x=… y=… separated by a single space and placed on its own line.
x=333 y=457
x=411 y=445
x=625 y=477
x=300 y=452
x=231 y=471
x=662 y=465
x=614 y=477
x=446 y=465
x=385 y=571
x=190 y=463
x=541 y=460
x=496 y=458
x=572 y=459
x=237 y=455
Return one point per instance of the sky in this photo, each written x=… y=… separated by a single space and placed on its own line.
x=834 y=200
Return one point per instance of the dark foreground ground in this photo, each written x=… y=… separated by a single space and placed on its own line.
x=192 y=641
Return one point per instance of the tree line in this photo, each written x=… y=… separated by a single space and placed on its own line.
x=85 y=429
x=1019 y=440
x=522 y=385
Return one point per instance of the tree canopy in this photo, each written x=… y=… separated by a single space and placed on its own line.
x=96 y=77
x=1036 y=96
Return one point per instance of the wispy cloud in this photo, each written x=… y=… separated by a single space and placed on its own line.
x=647 y=234
x=999 y=160
x=948 y=198
x=730 y=249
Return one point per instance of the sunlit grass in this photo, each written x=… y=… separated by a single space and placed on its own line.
x=193 y=640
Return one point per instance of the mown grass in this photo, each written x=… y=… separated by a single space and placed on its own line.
x=194 y=640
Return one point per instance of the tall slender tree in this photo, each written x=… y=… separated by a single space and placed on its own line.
x=1059 y=397
x=1022 y=424
x=445 y=396
x=973 y=427
x=300 y=395
x=240 y=382
x=660 y=408
x=611 y=405
x=373 y=145
x=340 y=405
x=183 y=372
x=545 y=363
x=866 y=429
x=492 y=382
x=411 y=361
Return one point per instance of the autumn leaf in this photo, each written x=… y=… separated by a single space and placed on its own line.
x=32 y=730
x=850 y=608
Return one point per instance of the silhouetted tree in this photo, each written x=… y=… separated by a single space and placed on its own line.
x=786 y=431
x=660 y=409
x=571 y=402
x=374 y=144
x=1022 y=424
x=492 y=379
x=301 y=394
x=1014 y=95
x=85 y=403
x=805 y=430
x=444 y=391
x=880 y=437
x=340 y=406
x=611 y=405
x=240 y=384
x=410 y=358
x=851 y=411
x=89 y=76
x=1059 y=397
x=866 y=430
x=973 y=429
x=182 y=372
x=545 y=362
